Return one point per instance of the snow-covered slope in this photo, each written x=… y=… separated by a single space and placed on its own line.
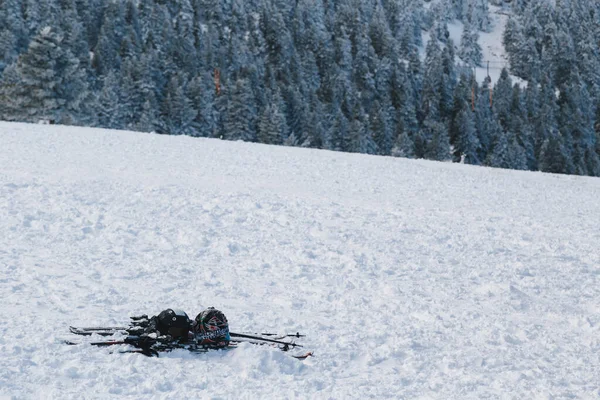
x=412 y=279
x=494 y=54
x=492 y=48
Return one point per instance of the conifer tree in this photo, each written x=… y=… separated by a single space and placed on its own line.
x=564 y=59
x=148 y=120
x=11 y=20
x=317 y=127
x=366 y=143
x=110 y=109
x=553 y=157
x=381 y=127
x=32 y=13
x=184 y=50
x=511 y=37
x=484 y=118
x=576 y=121
x=449 y=80
x=201 y=92
x=404 y=100
x=8 y=46
x=462 y=98
x=240 y=114
x=106 y=53
x=502 y=98
x=520 y=127
x=507 y=152
x=380 y=34
x=470 y=50
x=272 y=125
x=432 y=81
x=278 y=40
x=297 y=115
x=437 y=145
x=550 y=143
x=49 y=83
x=467 y=144
x=363 y=67
x=75 y=38
x=480 y=15
x=353 y=142
x=404 y=146
x=177 y=112
x=338 y=131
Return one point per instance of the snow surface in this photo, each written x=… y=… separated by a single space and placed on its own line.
x=493 y=51
x=412 y=279
x=492 y=48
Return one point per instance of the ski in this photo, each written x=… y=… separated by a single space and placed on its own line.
x=279 y=336
x=154 y=349
x=95 y=331
x=99 y=344
x=99 y=328
x=133 y=340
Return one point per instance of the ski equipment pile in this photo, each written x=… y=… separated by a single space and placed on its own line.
x=153 y=346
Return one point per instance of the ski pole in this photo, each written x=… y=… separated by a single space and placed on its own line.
x=241 y=335
x=297 y=334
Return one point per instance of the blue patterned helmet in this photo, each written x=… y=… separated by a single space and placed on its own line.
x=211 y=328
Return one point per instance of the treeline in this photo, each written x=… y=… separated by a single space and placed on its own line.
x=342 y=75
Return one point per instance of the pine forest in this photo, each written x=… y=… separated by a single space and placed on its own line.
x=381 y=77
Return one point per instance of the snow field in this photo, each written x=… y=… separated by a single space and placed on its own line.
x=412 y=279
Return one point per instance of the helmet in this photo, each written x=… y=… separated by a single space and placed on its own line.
x=175 y=323
x=211 y=328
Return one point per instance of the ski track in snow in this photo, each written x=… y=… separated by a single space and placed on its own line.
x=412 y=279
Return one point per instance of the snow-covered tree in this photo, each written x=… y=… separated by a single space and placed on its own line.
x=381 y=127
x=110 y=110
x=403 y=146
x=177 y=111
x=272 y=125
x=479 y=17
x=467 y=144
x=437 y=145
x=47 y=83
x=201 y=92
x=470 y=50
x=507 y=152
x=240 y=115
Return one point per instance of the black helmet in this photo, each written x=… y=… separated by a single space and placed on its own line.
x=175 y=323
x=211 y=328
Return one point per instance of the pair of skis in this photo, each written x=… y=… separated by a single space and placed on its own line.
x=156 y=346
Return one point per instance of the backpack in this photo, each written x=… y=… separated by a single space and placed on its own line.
x=174 y=323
